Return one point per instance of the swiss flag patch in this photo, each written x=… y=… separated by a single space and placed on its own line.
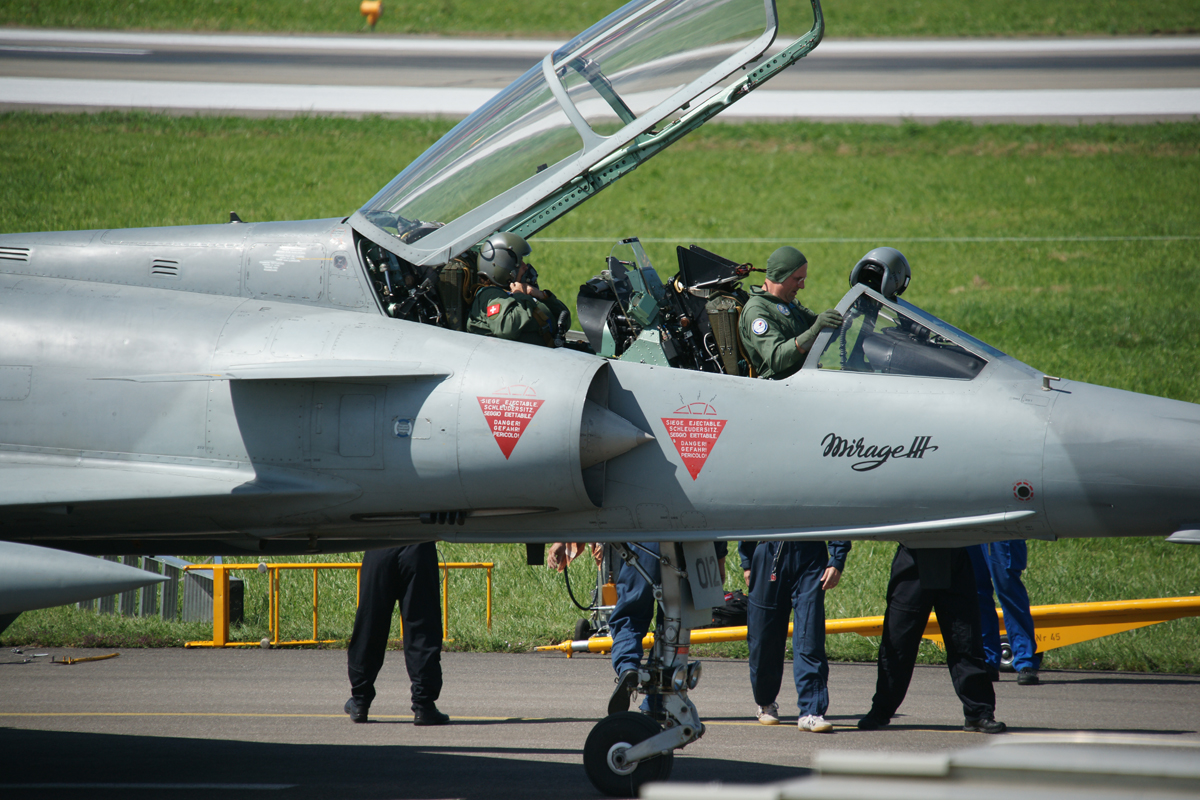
x=493 y=309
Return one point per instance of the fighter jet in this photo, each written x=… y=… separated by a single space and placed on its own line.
x=285 y=387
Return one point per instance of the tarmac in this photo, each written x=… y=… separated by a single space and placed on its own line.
x=1052 y=79
x=269 y=723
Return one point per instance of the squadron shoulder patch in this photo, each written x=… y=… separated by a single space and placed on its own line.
x=759 y=326
x=493 y=309
x=783 y=309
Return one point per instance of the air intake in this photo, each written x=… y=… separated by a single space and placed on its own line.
x=14 y=253
x=162 y=268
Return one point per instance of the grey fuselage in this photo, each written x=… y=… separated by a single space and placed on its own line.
x=238 y=387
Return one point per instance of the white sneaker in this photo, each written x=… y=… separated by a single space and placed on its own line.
x=768 y=715
x=815 y=723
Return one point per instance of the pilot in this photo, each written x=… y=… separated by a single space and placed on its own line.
x=939 y=579
x=775 y=331
x=408 y=575
x=789 y=579
x=509 y=305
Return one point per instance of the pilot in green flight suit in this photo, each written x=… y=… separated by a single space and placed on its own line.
x=510 y=305
x=777 y=332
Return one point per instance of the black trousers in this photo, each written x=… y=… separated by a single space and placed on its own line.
x=941 y=580
x=408 y=575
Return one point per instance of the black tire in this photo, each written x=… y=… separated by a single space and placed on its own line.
x=630 y=728
x=583 y=630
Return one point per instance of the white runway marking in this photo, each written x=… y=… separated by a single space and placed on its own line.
x=969 y=104
x=242 y=97
x=536 y=48
x=457 y=102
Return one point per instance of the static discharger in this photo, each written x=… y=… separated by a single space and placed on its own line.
x=372 y=10
x=81 y=660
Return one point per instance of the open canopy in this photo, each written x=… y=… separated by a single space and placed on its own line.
x=584 y=103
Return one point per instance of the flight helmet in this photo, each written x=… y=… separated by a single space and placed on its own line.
x=884 y=269
x=500 y=255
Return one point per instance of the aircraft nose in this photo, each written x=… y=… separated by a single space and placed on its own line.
x=1120 y=463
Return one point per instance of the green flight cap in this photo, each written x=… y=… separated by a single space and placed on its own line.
x=783 y=262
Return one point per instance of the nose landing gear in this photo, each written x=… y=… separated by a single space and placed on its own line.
x=604 y=754
x=627 y=749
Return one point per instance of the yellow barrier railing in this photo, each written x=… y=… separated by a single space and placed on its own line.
x=221 y=599
x=1054 y=626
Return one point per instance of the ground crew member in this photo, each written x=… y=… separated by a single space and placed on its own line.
x=509 y=305
x=630 y=619
x=1000 y=564
x=775 y=331
x=408 y=575
x=630 y=622
x=939 y=579
x=789 y=579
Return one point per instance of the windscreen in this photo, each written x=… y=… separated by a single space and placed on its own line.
x=615 y=72
x=877 y=338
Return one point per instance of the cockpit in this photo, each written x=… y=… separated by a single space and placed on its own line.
x=590 y=112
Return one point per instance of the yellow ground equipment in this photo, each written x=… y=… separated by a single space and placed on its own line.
x=273 y=571
x=1054 y=626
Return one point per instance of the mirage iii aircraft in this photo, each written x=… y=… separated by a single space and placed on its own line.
x=286 y=387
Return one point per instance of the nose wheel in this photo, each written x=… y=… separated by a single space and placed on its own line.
x=604 y=755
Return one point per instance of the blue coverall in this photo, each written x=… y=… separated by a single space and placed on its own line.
x=796 y=591
x=999 y=565
x=630 y=619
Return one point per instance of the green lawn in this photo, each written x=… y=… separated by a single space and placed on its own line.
x=531 y=606
x=1072 y=248
x=509 y=18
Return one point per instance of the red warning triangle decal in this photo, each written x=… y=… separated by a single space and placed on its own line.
x=694 y=438
x=508 y=413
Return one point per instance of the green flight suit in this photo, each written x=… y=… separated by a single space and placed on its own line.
x=516 y=317
x=768 y=328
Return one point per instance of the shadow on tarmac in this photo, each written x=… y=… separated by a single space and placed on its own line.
x=74 y=765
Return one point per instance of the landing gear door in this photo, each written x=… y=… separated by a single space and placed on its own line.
x=704 y=577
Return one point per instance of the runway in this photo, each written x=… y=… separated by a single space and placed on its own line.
x=254 y=723
x=1044 y=80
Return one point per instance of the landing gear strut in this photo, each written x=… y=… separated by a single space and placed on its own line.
x=627 y=749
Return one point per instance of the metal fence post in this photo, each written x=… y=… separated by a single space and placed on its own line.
x=149 y=606
x=129 y=599
x=108 y=604
x=170 y=593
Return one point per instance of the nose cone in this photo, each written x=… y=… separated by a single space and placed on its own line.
x=1121 y=464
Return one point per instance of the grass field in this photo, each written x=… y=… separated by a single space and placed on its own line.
x=1073 y=249
x=509 y=18
x=531 y=606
